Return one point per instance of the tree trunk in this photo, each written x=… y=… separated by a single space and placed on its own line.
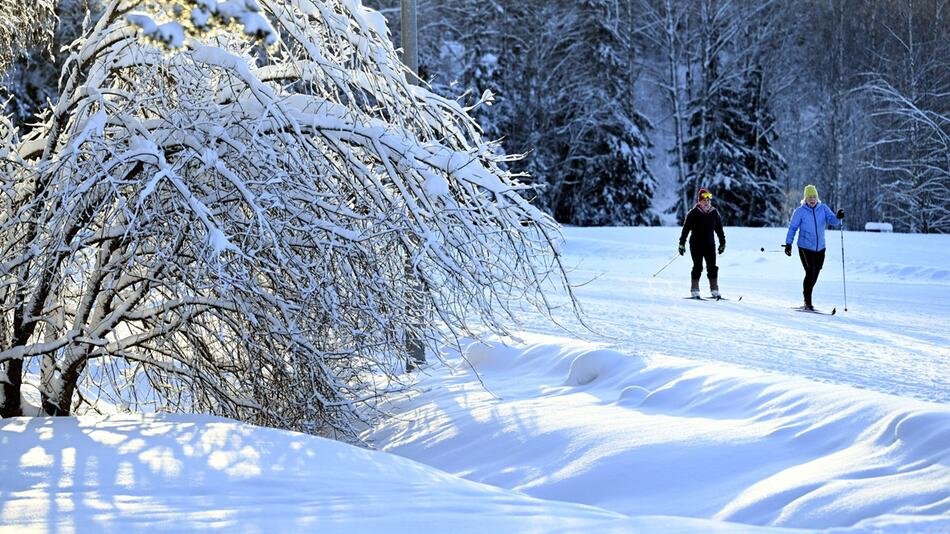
x=10 y=405
x=675 y=97
x=837 y=129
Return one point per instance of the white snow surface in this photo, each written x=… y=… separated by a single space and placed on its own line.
x=732 y=416
x=894 y=338
x=744 y=411
x=178 y=473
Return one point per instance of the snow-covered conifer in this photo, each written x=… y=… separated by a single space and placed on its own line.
x=601 y=176
x=729 y=148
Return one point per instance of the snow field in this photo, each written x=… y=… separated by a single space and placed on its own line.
x=197 y=473
x=182 y=473
x=742 y=411
x=893 y=338
x=672 y=416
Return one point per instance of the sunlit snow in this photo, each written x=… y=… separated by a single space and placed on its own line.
x=671 y=416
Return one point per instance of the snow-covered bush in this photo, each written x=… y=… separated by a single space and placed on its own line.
x=250 y=229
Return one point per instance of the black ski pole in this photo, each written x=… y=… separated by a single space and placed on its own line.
x=844 y=280
x=772 y=250
x=665 y=266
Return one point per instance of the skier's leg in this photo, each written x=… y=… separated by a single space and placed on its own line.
x=712 y=271
x=697 y=255
x=817 y=261
x=809 y=282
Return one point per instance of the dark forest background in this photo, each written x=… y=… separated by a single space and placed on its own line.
x=623 y=109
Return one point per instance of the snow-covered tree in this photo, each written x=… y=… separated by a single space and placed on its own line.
x=735 y=160
x=810 y=58
x=909 y=150
x=604 y=178
x=729 y=148
x=916 y=179
x=564 y=103
x=31 y=79
x=765 y=166
x=23 y=25
x=459 y=58
x=716 y=152
x=662 y=25
x=466 y=58
x=219 y=217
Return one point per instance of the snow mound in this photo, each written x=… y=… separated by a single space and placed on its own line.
x=597 y=364
x=665 y=436
x=194 y=473
x=490 y=355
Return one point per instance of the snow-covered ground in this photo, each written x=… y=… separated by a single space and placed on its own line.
x=894 y=338
x=672 y=416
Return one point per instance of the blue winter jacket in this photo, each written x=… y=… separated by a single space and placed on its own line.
x=810 y=224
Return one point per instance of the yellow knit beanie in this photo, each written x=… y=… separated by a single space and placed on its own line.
x=811 y=191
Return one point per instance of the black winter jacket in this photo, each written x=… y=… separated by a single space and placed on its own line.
x=702 y=225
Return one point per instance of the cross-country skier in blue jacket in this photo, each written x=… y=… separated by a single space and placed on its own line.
x=810 y=220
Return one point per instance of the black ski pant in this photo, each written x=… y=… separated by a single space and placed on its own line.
x=700 y=253
x=812 y=262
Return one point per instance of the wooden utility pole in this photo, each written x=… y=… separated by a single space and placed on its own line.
x=409 y=35
x=410 y=56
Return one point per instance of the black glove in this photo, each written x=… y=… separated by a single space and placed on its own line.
x=682 y=249
x=722 y=247
x=788 y=249
x=840 y=214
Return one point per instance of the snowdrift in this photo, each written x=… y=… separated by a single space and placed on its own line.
x=194 y=473
x=571 y=422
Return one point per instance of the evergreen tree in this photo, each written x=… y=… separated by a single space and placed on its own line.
x=735 y=160
x=766 y=164
x=605 y=179
x=729 y=149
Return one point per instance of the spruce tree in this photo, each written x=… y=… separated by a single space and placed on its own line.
x=730 y=150
x=765 y=163
x=605 y=179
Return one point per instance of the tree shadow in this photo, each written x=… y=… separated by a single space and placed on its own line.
x=191 y=472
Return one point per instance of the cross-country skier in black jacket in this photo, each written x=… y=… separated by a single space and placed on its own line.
x=702 y=221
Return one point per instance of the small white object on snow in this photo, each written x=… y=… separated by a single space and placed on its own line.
x=878 y=227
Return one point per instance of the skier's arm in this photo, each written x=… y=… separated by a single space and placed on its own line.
x=719 y=231
x=687 y=226
x=793 y=227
